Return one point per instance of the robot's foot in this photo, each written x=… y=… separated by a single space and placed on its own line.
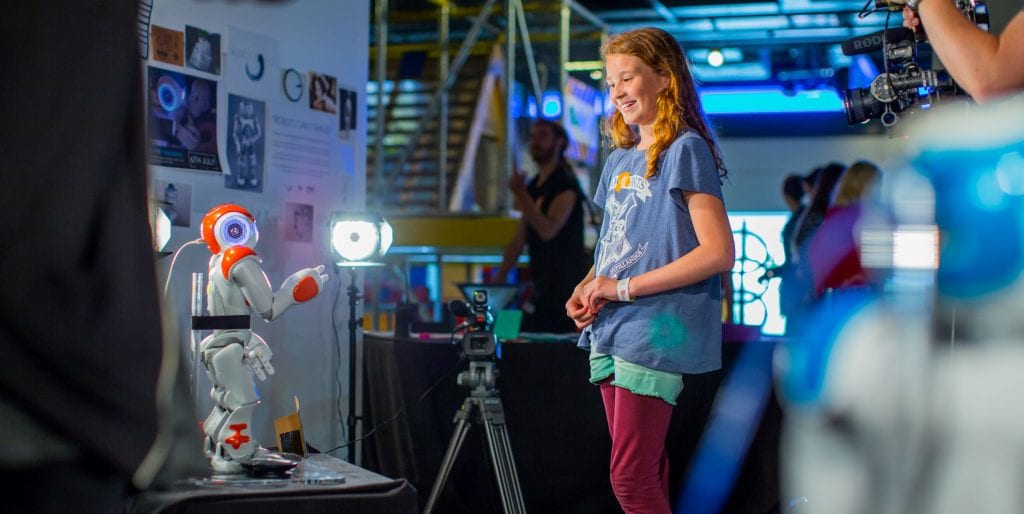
x=254 y=182
x=209 y=447
x=268 y=463
x=241 y=181
x=223 y=466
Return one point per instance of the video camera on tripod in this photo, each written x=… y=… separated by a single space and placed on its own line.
x=903 y=83
x=479 y=341
x=483 y=405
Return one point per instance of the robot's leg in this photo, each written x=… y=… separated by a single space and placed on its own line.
x=233 y=377
x=228 y=428
x=235 y=440
x=212 y=426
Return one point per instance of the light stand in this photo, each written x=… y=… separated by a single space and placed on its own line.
x=353 y=324
x=358 y=240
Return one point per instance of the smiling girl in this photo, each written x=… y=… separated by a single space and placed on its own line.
x=650 y=308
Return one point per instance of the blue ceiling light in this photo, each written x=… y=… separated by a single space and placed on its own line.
x=727 y=54
x=715 y=57
x=551 y=104
x=768 y=100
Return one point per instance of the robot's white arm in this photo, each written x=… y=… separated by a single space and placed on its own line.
x=245 y=270
x=301 y=287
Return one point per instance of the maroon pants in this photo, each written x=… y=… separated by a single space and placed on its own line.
x=639 y=466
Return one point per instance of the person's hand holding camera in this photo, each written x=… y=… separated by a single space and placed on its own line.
x=983 y=64
x=911 y=20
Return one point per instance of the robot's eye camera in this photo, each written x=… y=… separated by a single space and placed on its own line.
x=236 y=230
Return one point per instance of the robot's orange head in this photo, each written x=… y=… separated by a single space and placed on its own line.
x=229 y=225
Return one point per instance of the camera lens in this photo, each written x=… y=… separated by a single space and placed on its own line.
x=860 y=106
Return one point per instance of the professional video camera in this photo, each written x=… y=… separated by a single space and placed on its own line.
x=903 y=83
x=479 y=341
x=483 y=405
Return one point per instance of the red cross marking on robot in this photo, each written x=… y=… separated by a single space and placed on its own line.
x=237 y=439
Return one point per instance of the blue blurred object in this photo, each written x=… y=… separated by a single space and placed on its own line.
x=978 y=205
x=734 y=419
x=803 y=363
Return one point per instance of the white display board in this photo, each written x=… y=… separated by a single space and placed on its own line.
x=290 y=143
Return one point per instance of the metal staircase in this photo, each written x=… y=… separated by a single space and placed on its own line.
x=411 y=137
x=444 y=134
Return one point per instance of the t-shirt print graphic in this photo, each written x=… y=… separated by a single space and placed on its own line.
x=615 y=255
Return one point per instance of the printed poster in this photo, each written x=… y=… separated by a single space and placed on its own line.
x=175 y=198
x=323 y=93
x=247 y=120
x=348 y=100
x=167 y=45
x=203 y=50
x=182 y=120
x=298 y=222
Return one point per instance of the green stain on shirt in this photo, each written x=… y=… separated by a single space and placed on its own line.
x=668 y=332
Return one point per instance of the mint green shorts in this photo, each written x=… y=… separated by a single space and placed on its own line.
x=636 y=378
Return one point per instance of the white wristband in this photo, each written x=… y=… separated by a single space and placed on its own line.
x=622 y=290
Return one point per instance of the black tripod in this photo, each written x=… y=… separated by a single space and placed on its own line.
x=483 y=405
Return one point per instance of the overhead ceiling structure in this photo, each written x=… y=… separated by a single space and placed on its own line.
x=766 y=23
x=779 y=41
x=768 y=33
x=786 y=46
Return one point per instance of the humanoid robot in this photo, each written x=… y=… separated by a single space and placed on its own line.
x=909 y=401
x=238 y=285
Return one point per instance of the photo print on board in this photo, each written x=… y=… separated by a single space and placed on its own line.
x=203 y=49
x=182 y=120
x=167 y=45
x=298 y=222
x=246 y=122
x=175 y=199
x=348 y=103
x=323 y=93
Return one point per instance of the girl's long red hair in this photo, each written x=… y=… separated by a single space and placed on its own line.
x=678 y=104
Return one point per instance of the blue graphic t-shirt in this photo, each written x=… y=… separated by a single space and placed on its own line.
x=646 y=225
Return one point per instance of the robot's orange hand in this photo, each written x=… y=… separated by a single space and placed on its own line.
x=310 y=285
x=305 y=290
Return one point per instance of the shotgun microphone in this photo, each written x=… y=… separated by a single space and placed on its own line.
x=875 y=41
